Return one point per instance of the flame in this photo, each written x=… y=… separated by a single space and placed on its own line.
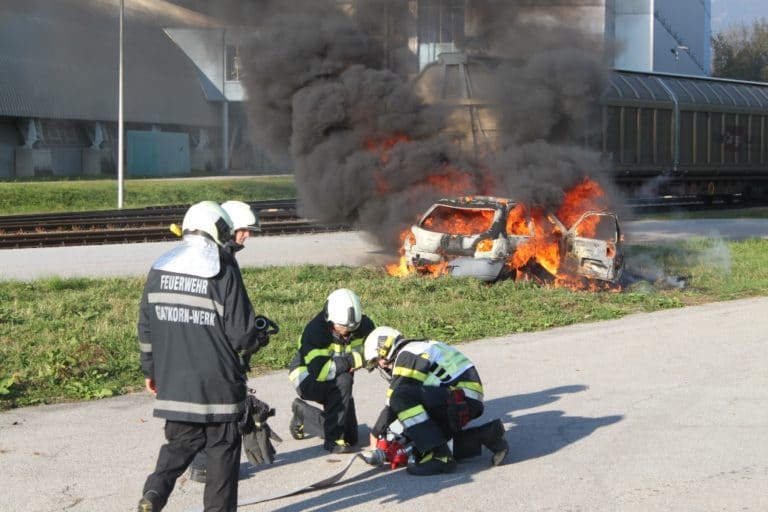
x=400 y=269
x=543 y=247
x=585 y=196
x=445 y=179
x=516 y=221
x=462 y=222
x=449 y=181
x=383 y=146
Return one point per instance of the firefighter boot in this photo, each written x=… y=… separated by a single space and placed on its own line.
x=297 y=420
x=492 y=437
x=438 y=460
x=150 y=502
x=338 y=446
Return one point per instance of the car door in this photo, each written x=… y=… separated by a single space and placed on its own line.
x=593 y=247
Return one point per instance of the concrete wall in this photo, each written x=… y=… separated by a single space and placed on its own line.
x=634 y=34
x=685 y=23
x=671 y=36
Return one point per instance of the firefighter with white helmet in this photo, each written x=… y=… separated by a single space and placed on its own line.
x=244 y=222
x=195 y=325
x=434 y=391
x=330 y=350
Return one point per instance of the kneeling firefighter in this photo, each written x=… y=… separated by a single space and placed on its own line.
x=330 y=350
x=434 y=392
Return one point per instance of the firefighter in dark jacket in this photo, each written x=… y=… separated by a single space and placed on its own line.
x=195 y=324
x=244 y=222
x=330 y=350
x=434 y=392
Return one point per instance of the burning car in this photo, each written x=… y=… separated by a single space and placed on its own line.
x=491 y=238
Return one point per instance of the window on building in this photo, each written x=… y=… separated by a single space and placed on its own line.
x=234 y=64
x=440 y=28
x=441 y=21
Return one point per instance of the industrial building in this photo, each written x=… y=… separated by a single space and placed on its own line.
x=183 y=97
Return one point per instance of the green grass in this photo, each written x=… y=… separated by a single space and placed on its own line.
x=83 y=195
x=75 y=339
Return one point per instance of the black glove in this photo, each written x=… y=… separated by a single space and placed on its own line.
x=263 y=338
x=255 y=412
x=257 y=436
x=258 y=447
x=347 y=362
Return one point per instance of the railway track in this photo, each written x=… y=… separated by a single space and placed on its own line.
x=278 y=217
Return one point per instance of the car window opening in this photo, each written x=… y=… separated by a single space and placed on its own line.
x=459 y=221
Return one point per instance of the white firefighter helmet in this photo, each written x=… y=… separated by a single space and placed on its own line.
x=242 y=215
x=381 y=344
x=209 y=218
x=343 y=308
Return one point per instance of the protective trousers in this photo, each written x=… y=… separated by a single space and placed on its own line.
x=469 y=442
x=435 y=430
x=221 y=442
x=338 y=419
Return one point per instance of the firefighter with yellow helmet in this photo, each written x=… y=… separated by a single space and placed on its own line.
x=434 y=391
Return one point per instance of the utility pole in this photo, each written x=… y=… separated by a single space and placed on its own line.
x=120 y=130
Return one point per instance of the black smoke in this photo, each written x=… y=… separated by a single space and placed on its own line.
x=367 y=149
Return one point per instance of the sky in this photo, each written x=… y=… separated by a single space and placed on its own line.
x=728 y=12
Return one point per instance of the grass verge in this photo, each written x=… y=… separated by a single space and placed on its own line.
x=75 y=339
x=84 y=195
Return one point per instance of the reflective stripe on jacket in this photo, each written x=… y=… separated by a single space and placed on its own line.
x=433 y=363
x=191 y=332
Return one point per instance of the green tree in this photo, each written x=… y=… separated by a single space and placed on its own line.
x=741 y=52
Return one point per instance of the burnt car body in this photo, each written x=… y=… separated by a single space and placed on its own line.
x=480 y=236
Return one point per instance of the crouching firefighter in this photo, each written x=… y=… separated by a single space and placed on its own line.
x=434 y=392
x=330 y=350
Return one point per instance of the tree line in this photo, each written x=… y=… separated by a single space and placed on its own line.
x=741 y=52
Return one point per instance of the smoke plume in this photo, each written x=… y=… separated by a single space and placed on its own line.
x=366 y=147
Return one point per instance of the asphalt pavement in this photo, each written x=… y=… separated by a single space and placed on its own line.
x=666 y=411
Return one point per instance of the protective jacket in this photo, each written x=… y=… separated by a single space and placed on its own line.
x=193 y=329
x=322 y=355
x=424 y=374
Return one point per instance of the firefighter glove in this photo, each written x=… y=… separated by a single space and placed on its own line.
x=255 y=412
x=348 y=362
x=263 y=338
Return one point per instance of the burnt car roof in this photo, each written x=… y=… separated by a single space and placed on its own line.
x=476 y=201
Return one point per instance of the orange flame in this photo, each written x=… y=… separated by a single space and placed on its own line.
x=382 y=147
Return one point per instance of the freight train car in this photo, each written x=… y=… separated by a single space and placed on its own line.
x=661 y=134
x=686 y=136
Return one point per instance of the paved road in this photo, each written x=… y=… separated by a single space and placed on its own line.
x=345 y=248
x=665 y=411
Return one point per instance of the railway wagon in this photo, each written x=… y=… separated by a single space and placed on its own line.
x=661 y=134
x=685 y=136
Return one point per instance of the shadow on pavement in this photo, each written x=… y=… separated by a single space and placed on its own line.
x=533 y=435
x=541 y=433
